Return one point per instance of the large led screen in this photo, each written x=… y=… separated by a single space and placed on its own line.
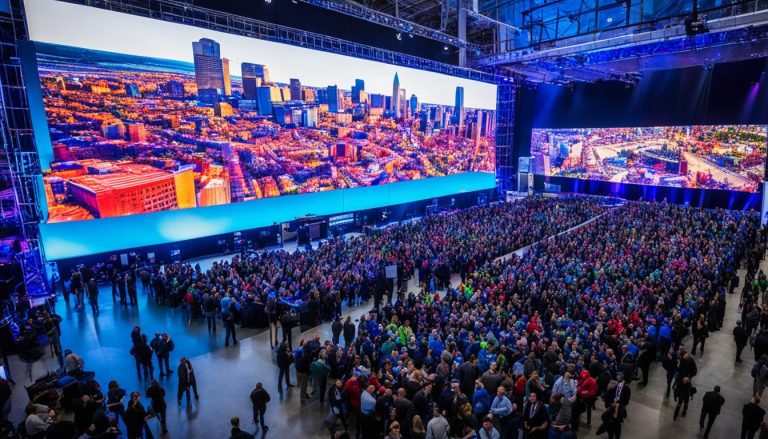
x=147 y=116
x=728 y=157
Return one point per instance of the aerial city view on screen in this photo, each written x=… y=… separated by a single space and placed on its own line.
x=705 y=156
x=132 y=134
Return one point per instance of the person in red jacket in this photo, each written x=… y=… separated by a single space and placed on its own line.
x=519 y=390
x=586 y=396
x=354 y=389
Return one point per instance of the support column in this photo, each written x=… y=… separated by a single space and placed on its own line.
x=462 y=32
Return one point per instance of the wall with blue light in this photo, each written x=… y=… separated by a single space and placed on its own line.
x=691 y=197
x=79 y=238
x=730 y=93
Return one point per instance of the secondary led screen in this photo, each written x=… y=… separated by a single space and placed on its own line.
x=148 y=116
x=728 y=157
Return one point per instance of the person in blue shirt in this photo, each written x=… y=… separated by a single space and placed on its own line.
x=481 y=400
x=501 y=410
x=436 y=344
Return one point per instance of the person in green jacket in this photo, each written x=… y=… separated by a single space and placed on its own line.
x=404 y=333
x=319 y=371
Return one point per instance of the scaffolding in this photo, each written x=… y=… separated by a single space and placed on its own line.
x=19 y=163
x=505 y=127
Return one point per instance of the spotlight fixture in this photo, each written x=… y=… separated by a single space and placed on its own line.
x=445 y=48
x=399 y=36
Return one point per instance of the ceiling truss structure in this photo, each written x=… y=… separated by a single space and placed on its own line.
x=563 y=41
x=624 y=57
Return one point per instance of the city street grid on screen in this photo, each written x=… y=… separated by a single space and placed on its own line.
x=133 y=134
x=730 y=157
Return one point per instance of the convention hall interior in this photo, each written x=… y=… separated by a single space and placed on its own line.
x=383 y=219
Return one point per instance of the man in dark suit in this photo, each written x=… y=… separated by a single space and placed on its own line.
x=404 y=412
x=710 y=406
x=187 y=380
x=741 y=338
x=535 y=418
x=619 y=394
x=468 y=373
x=753 y=417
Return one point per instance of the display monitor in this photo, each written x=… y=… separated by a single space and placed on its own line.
x=730 y=157
x=148 y=116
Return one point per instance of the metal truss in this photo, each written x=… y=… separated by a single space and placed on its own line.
x=183 y=13
x=624 y=56
x=505 y=127
x=19 y=161
x=357 y=10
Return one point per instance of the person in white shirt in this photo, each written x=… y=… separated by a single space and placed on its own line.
x=438 y=426
x=39 y=418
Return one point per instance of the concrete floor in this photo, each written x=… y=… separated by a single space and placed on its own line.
x=226 y=376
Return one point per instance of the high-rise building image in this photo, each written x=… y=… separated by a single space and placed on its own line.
x=264 y=101
x=210 y=68
x=402 y=103
x=252 y=76
x=334 y=102
x=295 y=89
x=227 y=78
x=414 y=102
x=250 y=70
x=357 y=89
x=396 y=96
x=458 y=110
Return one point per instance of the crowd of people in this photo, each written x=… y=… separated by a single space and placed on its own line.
x=531 y=343
x=77 y=406
x=536 y=342
x=349 y=270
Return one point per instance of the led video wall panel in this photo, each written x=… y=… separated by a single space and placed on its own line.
x=730 y=157
x=146 y=116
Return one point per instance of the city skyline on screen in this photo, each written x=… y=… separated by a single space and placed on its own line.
x=134 y=135
x=68 y=24
x=730 y=157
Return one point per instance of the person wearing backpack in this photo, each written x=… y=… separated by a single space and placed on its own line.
x=259 y=399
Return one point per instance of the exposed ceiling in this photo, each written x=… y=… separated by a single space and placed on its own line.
x=591 y=40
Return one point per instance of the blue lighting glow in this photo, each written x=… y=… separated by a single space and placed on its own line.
x=80 y=238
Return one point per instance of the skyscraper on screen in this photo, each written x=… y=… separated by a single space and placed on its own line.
x=295 y=89
x=211 y=72
x=458 y=111
x=396 y=96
